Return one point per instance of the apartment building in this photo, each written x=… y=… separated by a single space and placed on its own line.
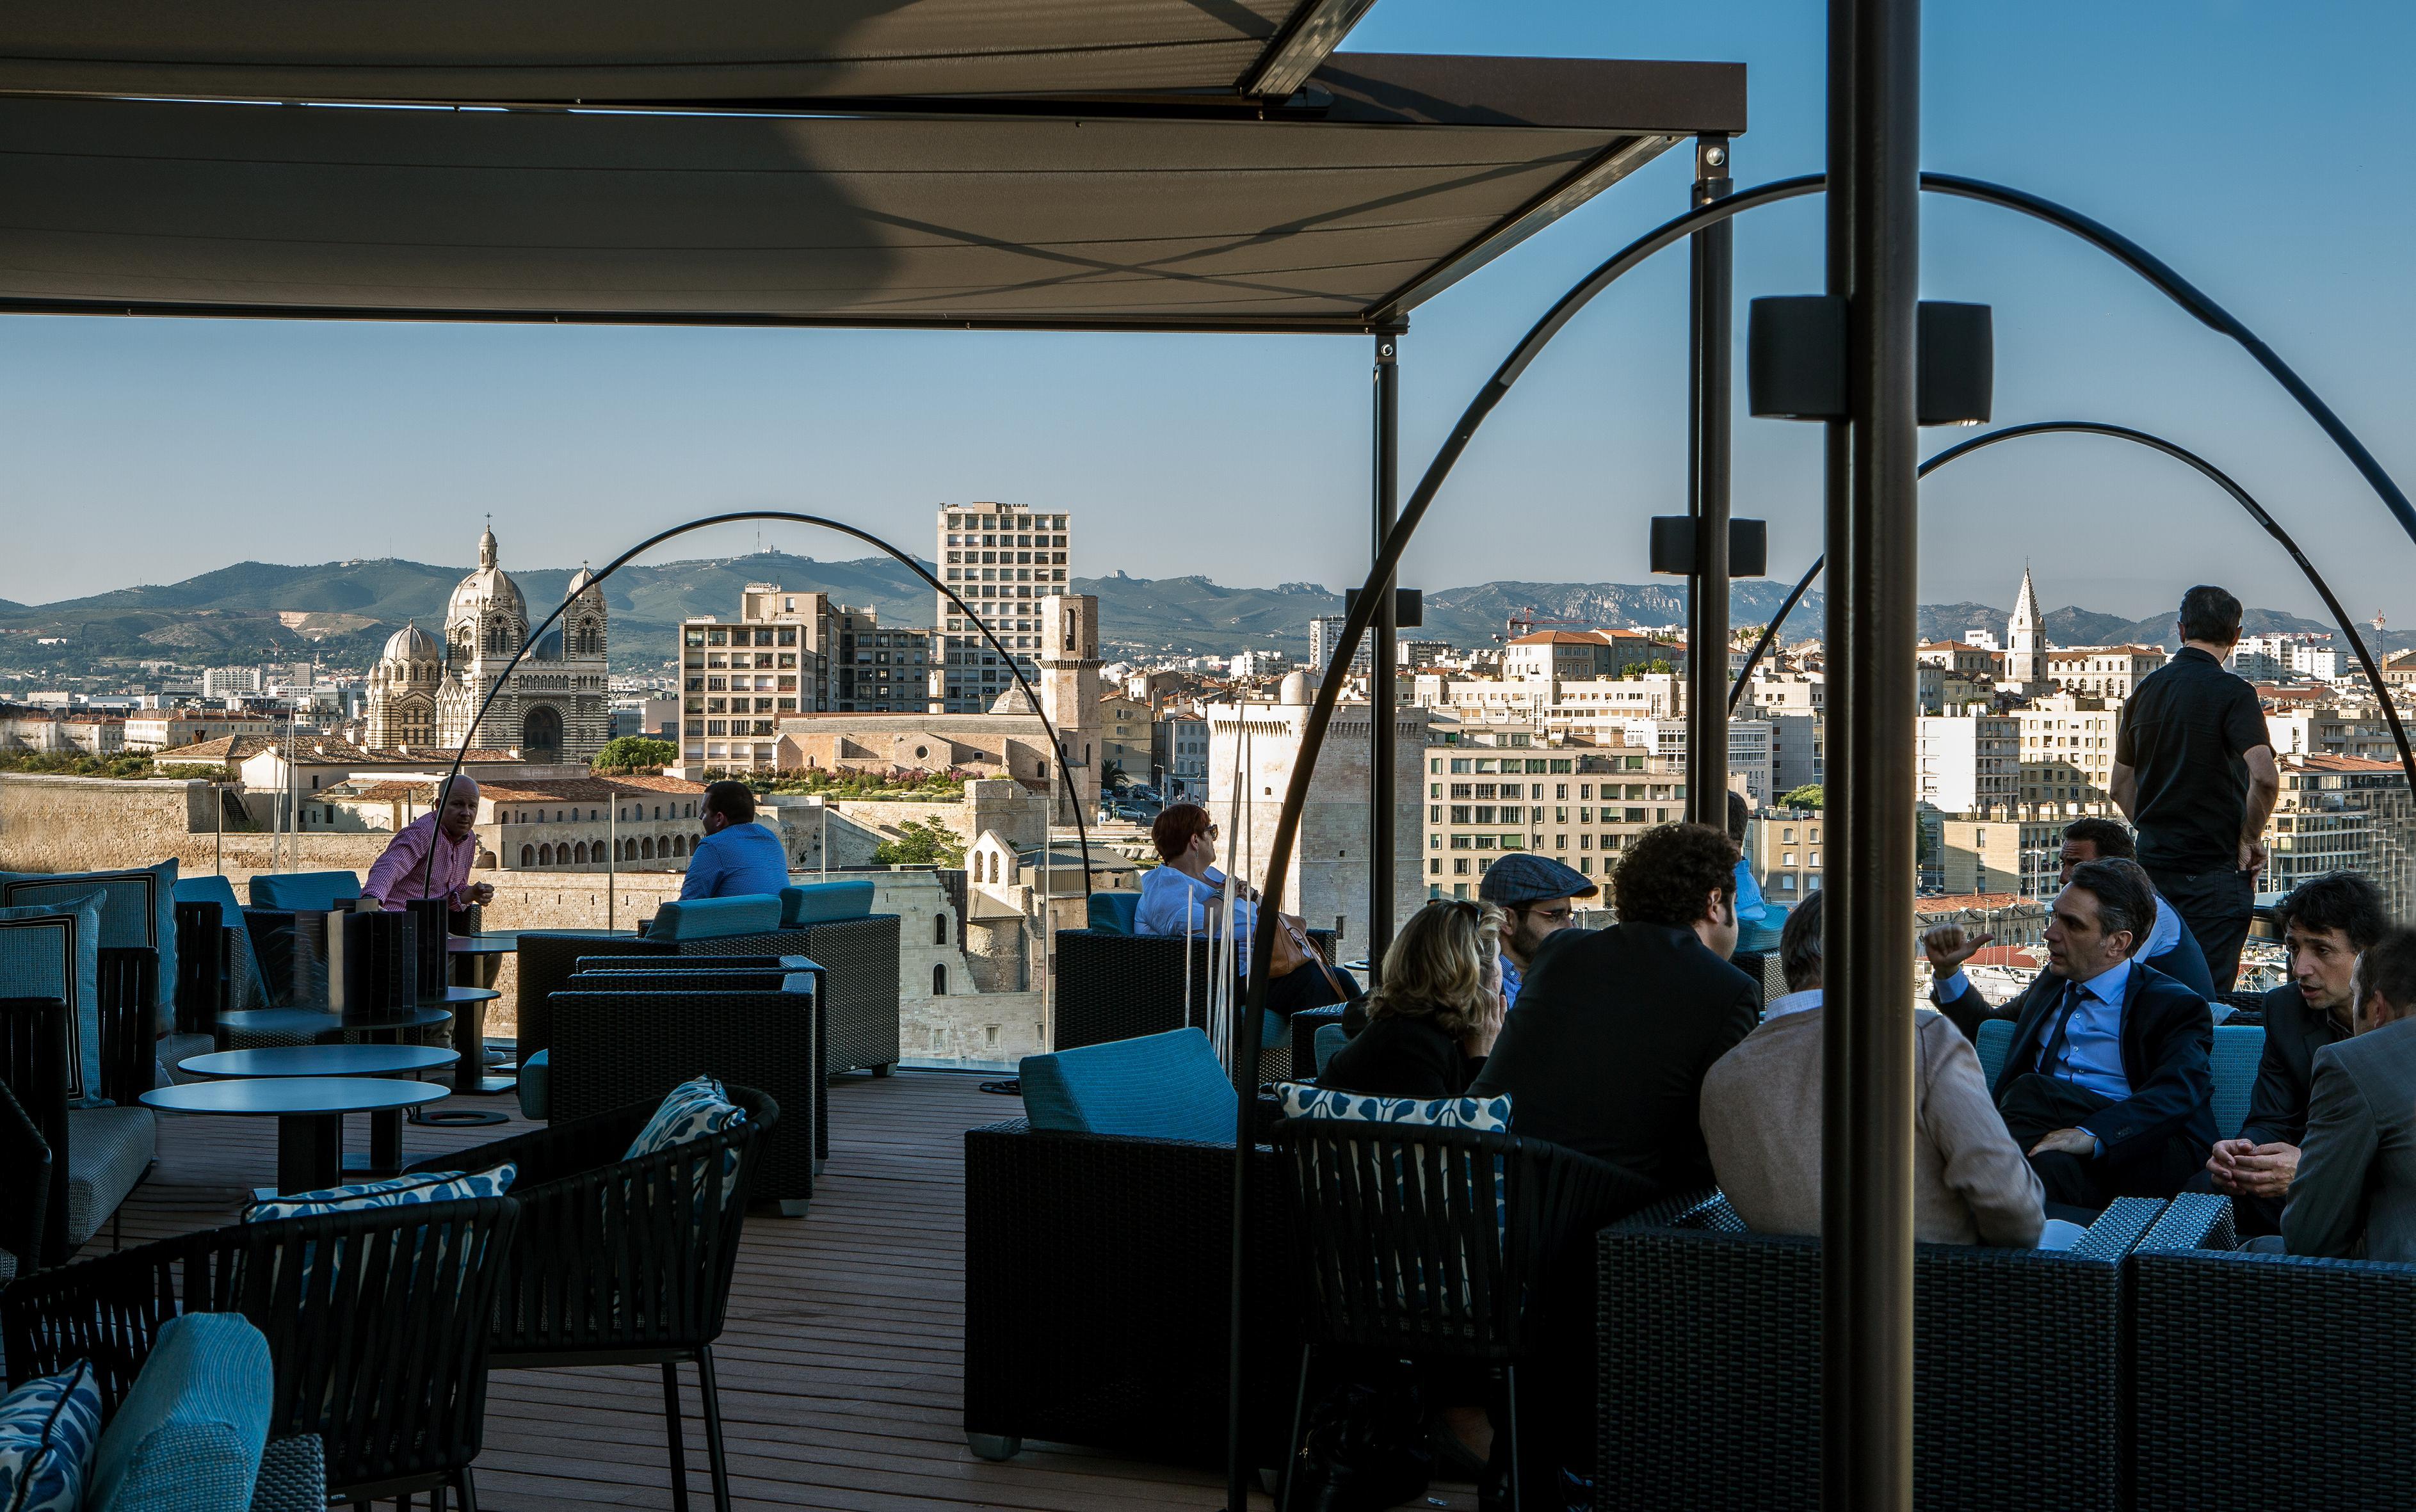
x=2109 y=671
x=2067 y=751
x=1491 y=791
x=2311 y=729
x=1179 y=751
x=2004 y=851
x=1001 y=559
x=1966 y=763
x=2340 y=813
x=1582 y=655
x=1783 y=848
x=1749 y=764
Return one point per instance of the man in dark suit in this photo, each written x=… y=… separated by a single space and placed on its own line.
x=2328 y=922
x=1615 y=1028
x=2355 y=1191
x=2169 y=946
x=2106 y=1083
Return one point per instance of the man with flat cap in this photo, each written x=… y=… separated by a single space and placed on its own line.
x=1541 y=896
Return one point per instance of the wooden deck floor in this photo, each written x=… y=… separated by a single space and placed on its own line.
x=842 y=1367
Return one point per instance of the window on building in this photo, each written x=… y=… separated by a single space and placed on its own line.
x=938 y=981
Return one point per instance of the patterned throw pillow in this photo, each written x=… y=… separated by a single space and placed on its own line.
x=402 y=1191
x=692 y=1109
x=53 y=950
x=1301 y=1100
x=48 y=1428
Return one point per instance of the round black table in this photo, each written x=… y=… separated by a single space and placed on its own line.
x=469 y=1008
x=386 y=1125
x=309 y=1113
x=322 y=1023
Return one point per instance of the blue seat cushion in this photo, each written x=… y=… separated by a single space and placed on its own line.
x=712 y=918
x=189 y=1435
x=1166 y=1086
x=138 y=907
x=50 y=1430
x=1114 y=913
x=537 y=1087
x=304 y=892
x=212 y=889
x=820 y=903
x=400 y=1191
x=1761 y=935
x=1994 y=1038
x=53 y=950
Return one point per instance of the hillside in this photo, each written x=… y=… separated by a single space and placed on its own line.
x=342 y=611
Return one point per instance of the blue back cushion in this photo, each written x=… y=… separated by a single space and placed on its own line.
x=212 y=889
x=1166 y=1086
x=2238 y=1048
x=189 y=1435
x=1996 y=1037
x=138 y=908
x=1330 y=1040
x=54 y=951
x=1114 y=913
x=710 y=918
x=822 y=901
x=1763 y=935
x=304 y=892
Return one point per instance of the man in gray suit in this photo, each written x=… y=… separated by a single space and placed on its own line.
x=2355 y=1191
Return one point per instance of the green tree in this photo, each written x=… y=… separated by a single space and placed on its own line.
x=1806 y=797
x=626 y=753
x=921 y=842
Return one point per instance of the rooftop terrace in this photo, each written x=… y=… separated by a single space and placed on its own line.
x=842 y=1366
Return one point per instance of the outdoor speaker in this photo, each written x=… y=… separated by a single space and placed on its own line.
x=1408 y=606
x=372 y=972
x=1674 y=546
x=1795 y=360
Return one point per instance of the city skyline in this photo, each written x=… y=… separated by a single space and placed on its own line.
x=375 y=440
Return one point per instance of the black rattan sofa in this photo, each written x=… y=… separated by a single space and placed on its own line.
x=1709 y=1387
x=1113 y=986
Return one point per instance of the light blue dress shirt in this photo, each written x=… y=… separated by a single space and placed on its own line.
x=1511 y=980
x=1174 y=903
x=1751 y=907
x=2163 y=935
x=738 y=860
x=2091 y=1056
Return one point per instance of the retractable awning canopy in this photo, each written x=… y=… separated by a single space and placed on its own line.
x=770 y=169
x=644 y=49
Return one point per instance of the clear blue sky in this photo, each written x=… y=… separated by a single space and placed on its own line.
x=2262 y=149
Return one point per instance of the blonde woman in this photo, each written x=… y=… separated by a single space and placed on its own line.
x=1431 y=1025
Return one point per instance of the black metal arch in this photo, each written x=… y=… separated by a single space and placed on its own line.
x=1081 y=830
x=2221 y=479
x=2120 y=247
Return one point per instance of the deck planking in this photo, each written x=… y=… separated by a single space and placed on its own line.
x=842 y=1367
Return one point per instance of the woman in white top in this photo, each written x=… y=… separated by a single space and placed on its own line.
x=1185 y=896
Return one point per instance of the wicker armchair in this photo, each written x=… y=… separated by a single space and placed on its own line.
x=2222 y=1336
x=546 y=961
x=2019 y=1372
x=1097 y=1274
x=1123 y=986
x=27 y=1155
x=615 y=1047
x=98 y=1155
x=620 y=1262
x=1442 y=1245
x=858 y=958
x=688 y=974
x=388 y=1369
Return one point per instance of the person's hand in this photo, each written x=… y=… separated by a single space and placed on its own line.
x=2223 y=1165
x=2066 y=1141
x=2267 y=1170
x=1478 y=1042
x=483 y=892
x=1948 y=948
x=2252 y=855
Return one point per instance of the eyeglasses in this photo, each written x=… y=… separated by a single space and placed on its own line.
x=1554 y=915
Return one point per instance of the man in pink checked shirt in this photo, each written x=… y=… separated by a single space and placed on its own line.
x=403 y=874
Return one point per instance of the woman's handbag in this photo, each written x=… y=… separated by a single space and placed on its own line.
x=1293 y=950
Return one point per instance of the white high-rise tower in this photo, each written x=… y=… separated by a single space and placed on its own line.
x=2025 y=642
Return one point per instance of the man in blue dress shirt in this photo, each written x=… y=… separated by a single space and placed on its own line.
x=737 y=857
x=2106 y=1083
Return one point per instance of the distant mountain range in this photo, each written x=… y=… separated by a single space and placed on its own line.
x=342 y=611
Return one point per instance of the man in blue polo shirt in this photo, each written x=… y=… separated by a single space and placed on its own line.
x=737 y=857
x=1541 y=896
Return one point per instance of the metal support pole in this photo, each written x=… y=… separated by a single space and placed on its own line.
x=1710 y=322
x=1384 y=638
x=1867 y=1153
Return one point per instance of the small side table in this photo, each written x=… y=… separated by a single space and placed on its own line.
x=309 y=1113
x=385 y=1125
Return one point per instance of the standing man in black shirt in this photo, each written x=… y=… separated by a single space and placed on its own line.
x=2194 y=771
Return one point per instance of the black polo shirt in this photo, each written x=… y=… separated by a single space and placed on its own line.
x=2186 y=731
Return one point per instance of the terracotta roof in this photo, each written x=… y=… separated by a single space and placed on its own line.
x=1967 y=902
x=1560 y=638
x=528 y=789
x=2027 y=957
x=2317 y=762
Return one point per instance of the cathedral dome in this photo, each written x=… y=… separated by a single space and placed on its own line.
x=412 y=644
x=488 y=586
x=580 y=582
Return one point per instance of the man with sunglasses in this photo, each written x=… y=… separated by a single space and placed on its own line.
x=1541 y=896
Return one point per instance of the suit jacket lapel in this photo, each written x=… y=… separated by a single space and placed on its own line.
x=2038 y=1004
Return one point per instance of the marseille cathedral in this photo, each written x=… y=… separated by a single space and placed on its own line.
x=555 y=706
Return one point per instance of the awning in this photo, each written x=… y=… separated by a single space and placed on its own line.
x=1401 y=175
x=642 y=49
